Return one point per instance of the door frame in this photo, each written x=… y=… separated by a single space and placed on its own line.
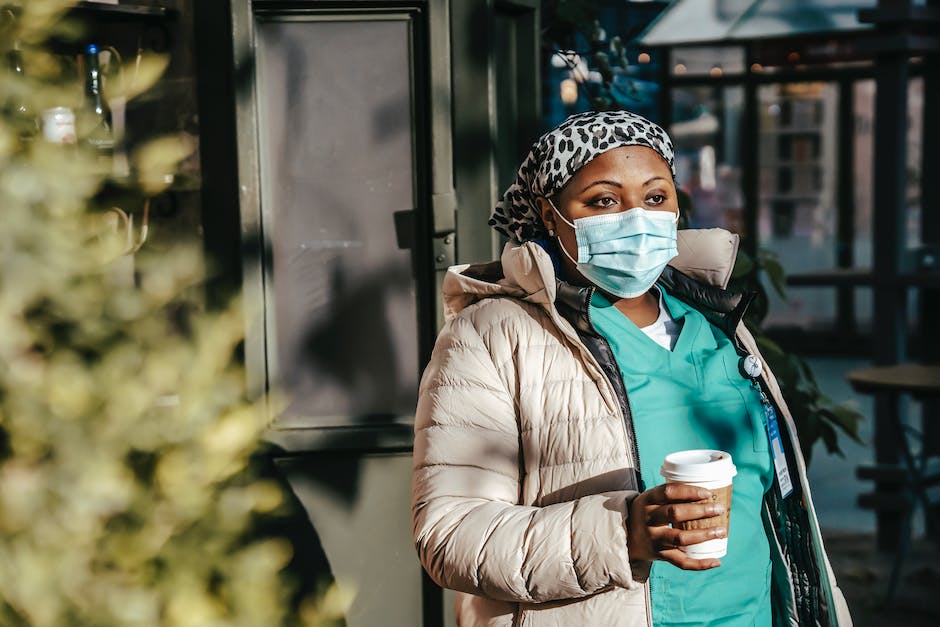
x=431 y=110
x=475 y=119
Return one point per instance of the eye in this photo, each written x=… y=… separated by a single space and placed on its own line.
x=656 y=199
x=604 y=202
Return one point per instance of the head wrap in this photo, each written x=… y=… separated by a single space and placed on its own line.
x=558 y=154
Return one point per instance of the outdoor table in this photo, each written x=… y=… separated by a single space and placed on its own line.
x=902 y=479
x=916 y=379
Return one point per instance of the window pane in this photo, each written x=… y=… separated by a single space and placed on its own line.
x=708 y=60
x=806 y=308
x=705 y=131
x=864 y=144
x=797 y=212
x=335 y=132
x=864 y=306
x=915 y=137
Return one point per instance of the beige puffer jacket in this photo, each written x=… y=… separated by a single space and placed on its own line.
x=523 y=463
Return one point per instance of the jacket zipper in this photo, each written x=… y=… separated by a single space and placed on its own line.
x=629 y=441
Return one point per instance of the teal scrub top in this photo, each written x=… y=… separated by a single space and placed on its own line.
x=690 y=398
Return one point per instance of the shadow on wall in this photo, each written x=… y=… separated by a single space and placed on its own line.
x=353 y=346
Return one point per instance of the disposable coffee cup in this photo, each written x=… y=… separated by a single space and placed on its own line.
x=714 y=471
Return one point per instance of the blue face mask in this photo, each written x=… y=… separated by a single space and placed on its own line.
x=623 y=253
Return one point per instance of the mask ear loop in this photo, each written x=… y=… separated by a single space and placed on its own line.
x=558 y=237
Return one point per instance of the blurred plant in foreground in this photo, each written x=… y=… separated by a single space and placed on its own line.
x=127 y=495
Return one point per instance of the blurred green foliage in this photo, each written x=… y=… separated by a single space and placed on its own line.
x=127 y=496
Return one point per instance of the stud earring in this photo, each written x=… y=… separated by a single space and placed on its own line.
x=551 y=232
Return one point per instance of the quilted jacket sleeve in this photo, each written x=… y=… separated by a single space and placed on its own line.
x=470 y=532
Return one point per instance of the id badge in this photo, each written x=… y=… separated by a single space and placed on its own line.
x=776 y=448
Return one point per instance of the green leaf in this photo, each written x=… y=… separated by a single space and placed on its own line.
x=743 y=265
x=806 y=447
x=831 y=440
x=771 y=351
x=774 y=271
x=848 y=420
x=806 y=373
x=603 y=66
x=616 y=45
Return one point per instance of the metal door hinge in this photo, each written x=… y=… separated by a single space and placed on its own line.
x=444 y=255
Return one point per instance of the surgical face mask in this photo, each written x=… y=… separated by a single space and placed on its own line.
x=623 y=253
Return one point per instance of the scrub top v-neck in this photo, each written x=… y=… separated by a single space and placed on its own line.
x=690 y=398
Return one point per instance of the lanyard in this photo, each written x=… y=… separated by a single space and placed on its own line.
x=752 y=368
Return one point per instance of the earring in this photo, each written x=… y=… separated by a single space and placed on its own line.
x=551 y=232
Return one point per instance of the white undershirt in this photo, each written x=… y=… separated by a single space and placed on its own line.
x=664 y=331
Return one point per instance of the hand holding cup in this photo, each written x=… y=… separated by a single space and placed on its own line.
x=685 y=521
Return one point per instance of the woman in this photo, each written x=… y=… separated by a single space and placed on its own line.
x=563 y=376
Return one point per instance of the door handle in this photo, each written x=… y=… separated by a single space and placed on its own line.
x=443 y=247
x=405 y=229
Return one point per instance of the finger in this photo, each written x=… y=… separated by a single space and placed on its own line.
x=677 y=557
x=677 y=492
x=665 y=538
x=682 y=512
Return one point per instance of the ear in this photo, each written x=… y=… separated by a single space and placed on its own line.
x=547 y=213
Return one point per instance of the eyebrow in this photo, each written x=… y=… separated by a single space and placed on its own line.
x=618 y=185
x=603 y=182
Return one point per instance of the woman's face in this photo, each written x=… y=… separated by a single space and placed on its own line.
x=615 y=181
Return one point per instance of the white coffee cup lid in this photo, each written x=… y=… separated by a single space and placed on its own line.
x=698 y=465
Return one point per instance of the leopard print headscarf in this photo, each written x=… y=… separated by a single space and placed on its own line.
x=558 y=154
